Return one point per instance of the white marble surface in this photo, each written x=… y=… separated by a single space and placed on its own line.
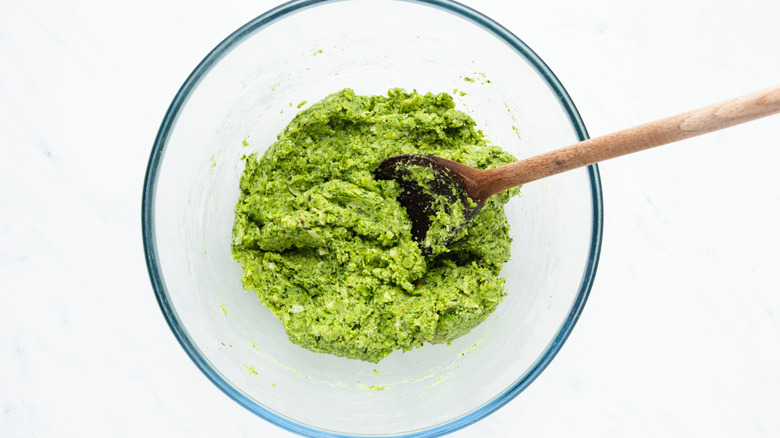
x=680 y=337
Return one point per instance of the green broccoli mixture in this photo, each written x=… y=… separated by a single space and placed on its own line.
x=327 y=247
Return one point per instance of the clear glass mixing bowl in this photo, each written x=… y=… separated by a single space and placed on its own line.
x=244 y=92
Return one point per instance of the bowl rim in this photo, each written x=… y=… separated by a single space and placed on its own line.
x=150 y=242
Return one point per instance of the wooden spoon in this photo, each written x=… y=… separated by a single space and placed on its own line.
x=479 y=185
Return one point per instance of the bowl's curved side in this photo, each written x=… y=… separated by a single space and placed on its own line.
x=147 y=210
x=598 y=214
x=158 y=151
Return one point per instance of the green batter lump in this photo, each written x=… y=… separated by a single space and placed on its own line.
x=327 y=247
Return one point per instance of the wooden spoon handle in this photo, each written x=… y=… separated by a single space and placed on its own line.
x=697 y=122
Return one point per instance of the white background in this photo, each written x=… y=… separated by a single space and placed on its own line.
x=680 y=336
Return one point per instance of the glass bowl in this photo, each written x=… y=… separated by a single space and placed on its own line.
x=236 y=102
